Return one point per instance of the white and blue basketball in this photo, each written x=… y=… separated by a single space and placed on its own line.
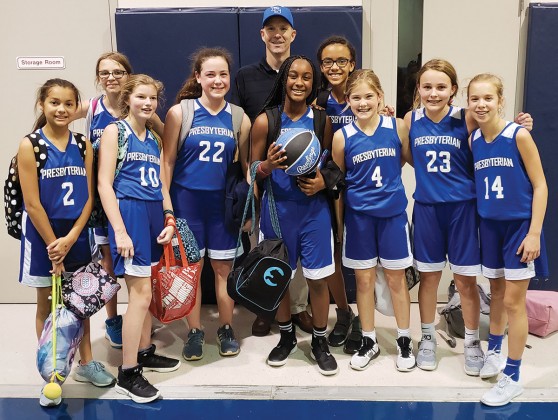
x=302 y=149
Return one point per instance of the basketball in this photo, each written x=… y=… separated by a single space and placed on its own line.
x=302 y=149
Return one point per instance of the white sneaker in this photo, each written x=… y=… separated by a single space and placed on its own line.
x=503 y=392
x=405 y=357
x=426 y=356
x=47 y=402
x=494 y=363
x=474 y=358
x=368 y=352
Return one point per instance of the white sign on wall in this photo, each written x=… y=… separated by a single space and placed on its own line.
x=40 y=63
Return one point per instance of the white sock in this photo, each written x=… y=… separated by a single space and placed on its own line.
x=428 y=332
x=370 y=334
x=403 y=333
x=471 y=336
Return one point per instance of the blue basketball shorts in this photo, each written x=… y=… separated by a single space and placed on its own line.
x=101 y=235
x=205 y=214
x=500 y=241
x=367 y=238
x=144 y=221
x=35 y=266
x=306 y=231
x=447 y=229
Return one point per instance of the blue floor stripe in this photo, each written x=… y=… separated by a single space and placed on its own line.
x=78 y=409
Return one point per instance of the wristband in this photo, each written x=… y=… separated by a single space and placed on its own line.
x=168 y=212
x=261 y=172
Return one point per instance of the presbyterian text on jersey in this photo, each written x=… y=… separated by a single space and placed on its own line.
x=373 y=154
x=495 y=161
x=143 y=157
x=427 y=140
x=65 y=171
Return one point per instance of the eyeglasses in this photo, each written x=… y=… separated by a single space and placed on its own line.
x=117 y=74
x=341 y=62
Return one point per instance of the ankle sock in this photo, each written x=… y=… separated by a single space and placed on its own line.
x=512 y=369
x=318 y=332
x=428 y=332
x=495 y=343
x=286 y=326
x=403 y=332
x=370 y=334
x=471 y=336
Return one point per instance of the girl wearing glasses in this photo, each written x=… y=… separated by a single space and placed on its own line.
x=112 y=71
x=337 y=56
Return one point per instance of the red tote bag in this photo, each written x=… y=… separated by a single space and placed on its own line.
x=174 y=285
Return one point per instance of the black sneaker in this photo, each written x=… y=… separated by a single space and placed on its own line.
x=327 y=365
x=132 y=383
x=354 y=340
x=287 y=346
x=156 y=363
x=338 y=335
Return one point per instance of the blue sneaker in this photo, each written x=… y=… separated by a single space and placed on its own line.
x=228 y=346
x=193 y=348
x=114 y=331
x=95 y=373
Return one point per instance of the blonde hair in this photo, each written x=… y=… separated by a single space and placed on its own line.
x=367 y=76
x=131 y=84
x=436 y=64
x=490 y=78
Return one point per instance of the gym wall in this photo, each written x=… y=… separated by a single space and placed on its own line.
x=468 y=33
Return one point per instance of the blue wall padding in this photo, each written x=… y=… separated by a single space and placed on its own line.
x=541 y=100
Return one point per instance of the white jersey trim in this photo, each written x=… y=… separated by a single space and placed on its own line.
x=429 y=267
x=466 y=270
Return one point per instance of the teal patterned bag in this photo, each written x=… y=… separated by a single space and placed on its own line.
x=188 y=240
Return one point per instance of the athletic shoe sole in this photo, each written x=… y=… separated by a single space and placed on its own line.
x=367 y=364
x=405 y=369
x=134 y=397
x=501 y=403
x=489 y=375
x=192 y=358
x=112 y=343
x=161 y=370
x=471 y=372
x=427 y=368
x=279 y=363
x=324 y=372
x=79 y=378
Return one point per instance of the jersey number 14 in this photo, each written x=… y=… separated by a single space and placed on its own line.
x=496 y=187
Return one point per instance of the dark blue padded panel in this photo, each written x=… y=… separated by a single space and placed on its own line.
x=540 y=99
x=313 y=25
x=160 y=42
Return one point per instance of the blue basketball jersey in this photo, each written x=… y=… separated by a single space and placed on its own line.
x=504 y=191
x=285 y=186
x=100 y=119
x=202 y=162
x=139 y=176
x=373 y=170
x=442 y=158
x=63 y=181
x=340 y=114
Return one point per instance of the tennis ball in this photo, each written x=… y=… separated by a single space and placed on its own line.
x=52 y=391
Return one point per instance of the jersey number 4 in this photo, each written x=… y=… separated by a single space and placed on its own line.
x=496 y=187
x=444 y=157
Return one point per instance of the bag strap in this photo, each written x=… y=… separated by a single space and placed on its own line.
x=187 y=106
x=82 y=146
x=273 y=124
x=323 y=96
x=251 y=202
x=319 y=123
x=56 y=302
x=91 y=113
x=122 y=147
x=237 y=117
x=39 y=148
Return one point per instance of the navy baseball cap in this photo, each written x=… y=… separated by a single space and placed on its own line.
x=284 y=12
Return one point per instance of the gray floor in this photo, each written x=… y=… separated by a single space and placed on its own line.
x=247 y=376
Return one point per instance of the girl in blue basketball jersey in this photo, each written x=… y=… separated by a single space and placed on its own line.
x=111 y=72
x=139 y=211
x=511 y=200
x=444 y=215
x=302 y=209
x=56 y=209
x=370 y=152
x=198 y=173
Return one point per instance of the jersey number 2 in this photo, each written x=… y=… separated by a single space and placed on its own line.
x=67 y=201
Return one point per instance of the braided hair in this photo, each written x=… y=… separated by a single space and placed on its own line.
x=278 y=92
